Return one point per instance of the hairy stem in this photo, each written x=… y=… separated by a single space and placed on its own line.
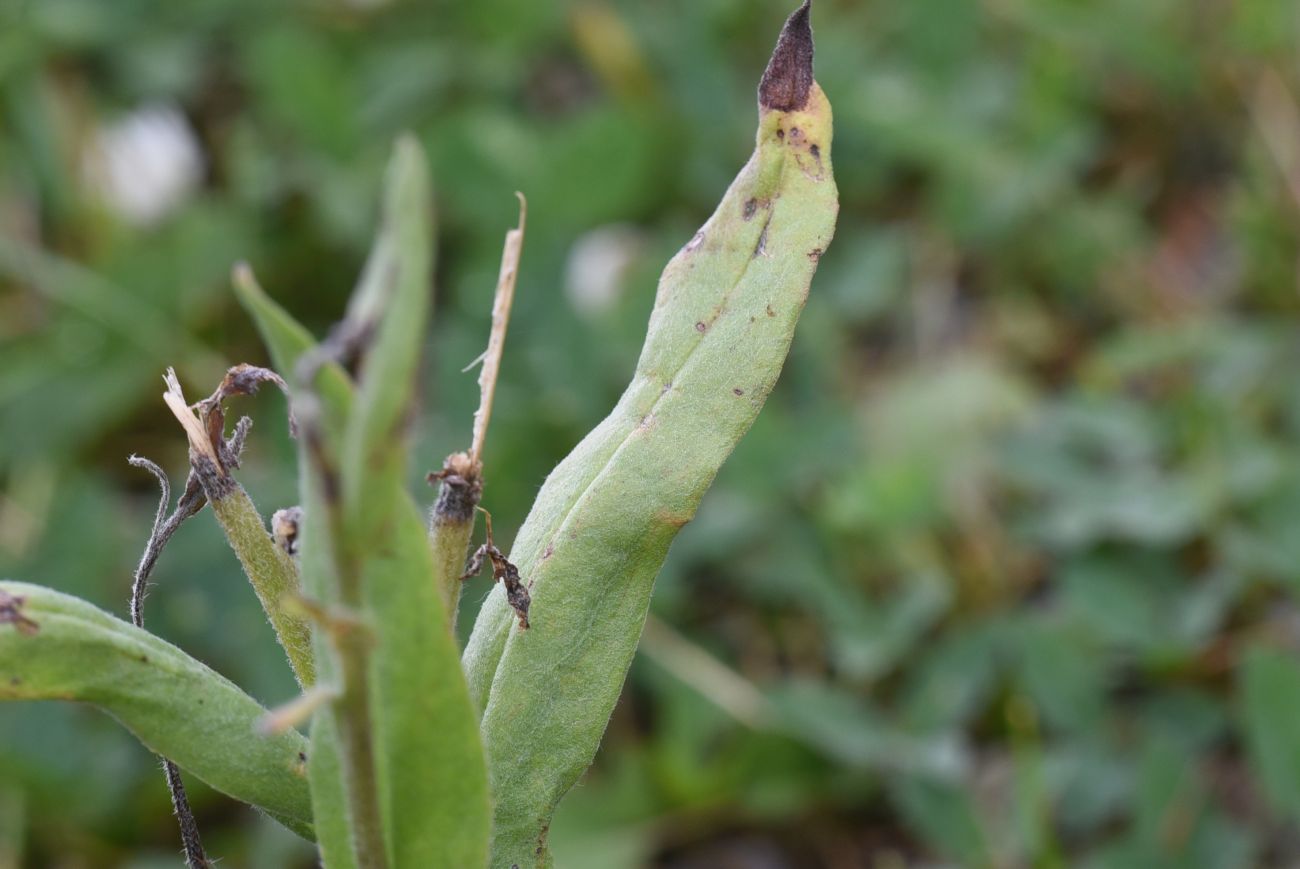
x=270 y=570
x=351 y=711
x=452 y=526
x=272 y=573
x=359 y=772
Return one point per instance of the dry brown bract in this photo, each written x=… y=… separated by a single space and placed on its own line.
x=502 y=571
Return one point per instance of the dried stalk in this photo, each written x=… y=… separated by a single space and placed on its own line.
x=164 y=526
x=461 y=477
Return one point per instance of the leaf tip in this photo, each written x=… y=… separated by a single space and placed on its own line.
x=788 y=78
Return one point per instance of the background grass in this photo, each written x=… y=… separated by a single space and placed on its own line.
x=1007 y=572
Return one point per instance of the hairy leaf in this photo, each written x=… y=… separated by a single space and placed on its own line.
x=288 y=343
x=429 y=768
x=432 y=776
x=57 y=647
x=600 y=528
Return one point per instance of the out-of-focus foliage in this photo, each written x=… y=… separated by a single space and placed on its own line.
x=1005 y=574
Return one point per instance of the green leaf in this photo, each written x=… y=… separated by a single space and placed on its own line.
x=328 y=793
x=432 y=776
x=601 y=526
x=288 y=341
x=373 y=555
x=273 y=575
x=57 y=647
x=328 y=800
x=945 y=817
x=1270 y=708
x=389 y=312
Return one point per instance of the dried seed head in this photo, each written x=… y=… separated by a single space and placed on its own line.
x=460 y=488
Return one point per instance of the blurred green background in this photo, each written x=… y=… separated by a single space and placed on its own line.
x=1005 y=575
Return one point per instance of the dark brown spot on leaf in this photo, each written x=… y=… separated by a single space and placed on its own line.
x=738 y=391
x=11 y=613
x=700 y=327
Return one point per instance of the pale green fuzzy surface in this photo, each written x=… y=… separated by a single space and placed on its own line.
x=288 y=341
x=274 y=578
x=328 y=796
x=175 y=705
x=449 y=542
x=598 y=533
x=431 y=762
x=431 y=773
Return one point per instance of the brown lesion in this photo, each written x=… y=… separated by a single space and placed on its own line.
x=760 y=249
x=802 y=143
x=753 y=205
x=788 y=78
x=674 y=520
x=540 y=853
x=11 y=613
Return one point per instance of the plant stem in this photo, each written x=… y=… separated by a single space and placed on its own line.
x=351 y=710
x=271 y=572
x=452 y=523
x=352 y=715
x=501 y=304
x=270 y=569
x=164 y=526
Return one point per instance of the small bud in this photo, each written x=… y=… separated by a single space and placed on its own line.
x=284 y=528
